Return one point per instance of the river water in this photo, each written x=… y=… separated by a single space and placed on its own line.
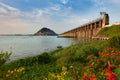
x=24 y=46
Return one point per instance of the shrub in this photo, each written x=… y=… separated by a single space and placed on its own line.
x=45 y=58
x=4 y=56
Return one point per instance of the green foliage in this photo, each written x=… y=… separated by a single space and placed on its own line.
x=4 y=56
x=115 y=42
x=114 y=30
x=45 y=58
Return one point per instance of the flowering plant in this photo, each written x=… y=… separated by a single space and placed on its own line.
x=103 y=67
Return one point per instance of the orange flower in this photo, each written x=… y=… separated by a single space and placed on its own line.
x=119 y=53
x=92 y=64
x=110 y=49
x=111 y=76
x=85 y=77
x=113 y=54
x=105 y=55
x=93 y=78
x=90 y=56
x=109 y=65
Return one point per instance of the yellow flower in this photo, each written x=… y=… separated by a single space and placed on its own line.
x=15 y=70
x=8 y=71
x=7 y=75
x=11 y=72
x=18 y=70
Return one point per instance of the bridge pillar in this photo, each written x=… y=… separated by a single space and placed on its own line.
x=100 y=24
x=105 y=20
x=91 y=30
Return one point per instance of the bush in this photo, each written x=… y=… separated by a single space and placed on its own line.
x=4 y=56
x=45 y=58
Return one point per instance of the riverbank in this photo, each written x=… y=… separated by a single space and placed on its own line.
x=64 y=63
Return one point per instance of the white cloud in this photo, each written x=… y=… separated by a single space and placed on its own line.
x=8 y=7
x=8 y=10
x=23 y=22
x=64 y=1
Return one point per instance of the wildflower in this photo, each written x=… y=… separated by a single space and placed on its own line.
x=119 y=53
x=117 y=58
x=7 y=75
x=109 y=65
x=109 y=49
x=11 y=72
x=8 y=71
x=113 y=54
x=90 y=56
x=111 y=76
x=105 y=55
x=93 y=77
x=85 y=77
x=92 y=64
x=15 y=70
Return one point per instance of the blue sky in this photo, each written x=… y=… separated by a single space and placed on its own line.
x=28 y=16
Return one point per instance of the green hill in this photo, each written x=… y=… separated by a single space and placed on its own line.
x=111 y=31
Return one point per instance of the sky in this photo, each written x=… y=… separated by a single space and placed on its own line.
x=29 y=16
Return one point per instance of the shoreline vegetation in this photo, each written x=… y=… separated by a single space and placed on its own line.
x=94 y=60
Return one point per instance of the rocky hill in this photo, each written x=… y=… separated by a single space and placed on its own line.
x=45 y=32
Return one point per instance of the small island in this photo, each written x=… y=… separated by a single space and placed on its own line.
x=45 y=32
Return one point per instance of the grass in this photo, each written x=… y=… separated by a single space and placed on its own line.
x=114 y=30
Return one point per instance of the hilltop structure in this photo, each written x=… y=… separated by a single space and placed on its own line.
x=89 y=30
x=45 y=32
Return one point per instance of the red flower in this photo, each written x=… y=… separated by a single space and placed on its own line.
x=111 y=76
x=92 y=64
x=105 y=55
x=85 y=77
x=109 y=65
x=93 y=78
x=113 y=54
x=119 y=53
x=90 y=56
x=109 y=48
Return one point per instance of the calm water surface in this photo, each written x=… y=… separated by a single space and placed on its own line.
x=24 y=46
